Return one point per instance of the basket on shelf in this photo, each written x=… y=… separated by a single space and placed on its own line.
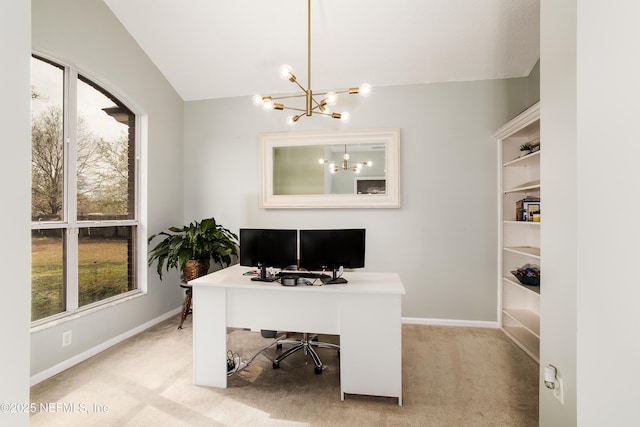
x=528 y=274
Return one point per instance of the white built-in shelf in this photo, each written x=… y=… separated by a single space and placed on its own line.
x=534 y=223
x=525 y=339
x=515 y=282
x=529 y=159
x=526 y=318
x=527 y=186
x=524 y=250
x=519 y=305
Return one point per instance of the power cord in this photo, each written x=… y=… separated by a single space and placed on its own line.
x=235 y=363
x=231 y=362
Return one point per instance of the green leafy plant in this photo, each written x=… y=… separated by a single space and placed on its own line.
x=203 y=240
x=526 y=147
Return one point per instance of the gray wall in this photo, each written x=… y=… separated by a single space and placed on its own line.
x=84 y=33
x=534 y=83
x=442 y=241
x=15 y=182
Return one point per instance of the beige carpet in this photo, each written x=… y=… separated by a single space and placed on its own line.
x=451 y=377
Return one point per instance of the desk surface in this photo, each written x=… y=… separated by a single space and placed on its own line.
x=358 y=282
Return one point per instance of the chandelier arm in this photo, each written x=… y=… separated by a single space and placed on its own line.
x=313 y=100
x=294 y=109
x=300 y=86
x=289 y=96
x=334 y=91
x=321 y=112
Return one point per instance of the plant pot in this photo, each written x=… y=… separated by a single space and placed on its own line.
x=194 y=269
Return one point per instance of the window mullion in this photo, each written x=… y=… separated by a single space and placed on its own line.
x=71 y=271
x=71 y=197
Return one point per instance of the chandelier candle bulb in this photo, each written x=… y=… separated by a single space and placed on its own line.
x=332 y=98
x=365 y=89
x=286 y=72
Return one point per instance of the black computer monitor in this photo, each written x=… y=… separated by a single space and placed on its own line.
x=331 y=250
x=260 y=247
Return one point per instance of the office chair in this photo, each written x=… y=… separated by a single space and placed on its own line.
x=306 y=344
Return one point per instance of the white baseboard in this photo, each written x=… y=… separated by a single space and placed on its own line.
x=450 y=322
x=54 y=370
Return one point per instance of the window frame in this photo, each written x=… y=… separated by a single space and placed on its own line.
x=69 y=223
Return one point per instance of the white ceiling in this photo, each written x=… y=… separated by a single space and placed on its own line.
x=223 y=48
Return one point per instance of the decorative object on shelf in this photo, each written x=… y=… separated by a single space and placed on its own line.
x=346 y=164
x=192 y=247
x=312 y=106
x=525 y=149
x=535 y=144
x=528 y=274
x=530 y=147
x=526 y=207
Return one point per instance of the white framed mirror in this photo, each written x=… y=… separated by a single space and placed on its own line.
x=330 y=169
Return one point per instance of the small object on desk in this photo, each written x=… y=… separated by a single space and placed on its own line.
x=288 y=281
x=250 y=273
x=295 y=280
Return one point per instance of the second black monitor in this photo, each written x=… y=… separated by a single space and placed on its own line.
x=332 y=249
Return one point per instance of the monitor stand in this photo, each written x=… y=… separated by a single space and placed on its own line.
x=334 y=280
x=263 y=277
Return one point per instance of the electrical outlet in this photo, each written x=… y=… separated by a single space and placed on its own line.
x=66 y=338
x=558 y=392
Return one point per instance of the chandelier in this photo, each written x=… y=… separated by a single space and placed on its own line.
x=312 y=105
x=346 y=164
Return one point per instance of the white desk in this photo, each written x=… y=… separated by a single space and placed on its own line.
x=365 y=313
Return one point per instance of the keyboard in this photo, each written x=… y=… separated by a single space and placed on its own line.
x=303 y=274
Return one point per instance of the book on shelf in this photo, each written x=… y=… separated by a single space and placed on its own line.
x=526 y=207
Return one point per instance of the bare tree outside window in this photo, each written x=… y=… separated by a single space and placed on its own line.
x=99 y=243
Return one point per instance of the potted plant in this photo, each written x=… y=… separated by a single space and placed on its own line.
x=192 y=247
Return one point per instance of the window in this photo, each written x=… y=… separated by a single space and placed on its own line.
x=83 y=192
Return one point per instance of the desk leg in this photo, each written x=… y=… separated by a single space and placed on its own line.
x=209 y=336
x=371 y=345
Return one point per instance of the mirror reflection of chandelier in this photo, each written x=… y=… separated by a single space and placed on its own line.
x=346 y=165
x=312 y=106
